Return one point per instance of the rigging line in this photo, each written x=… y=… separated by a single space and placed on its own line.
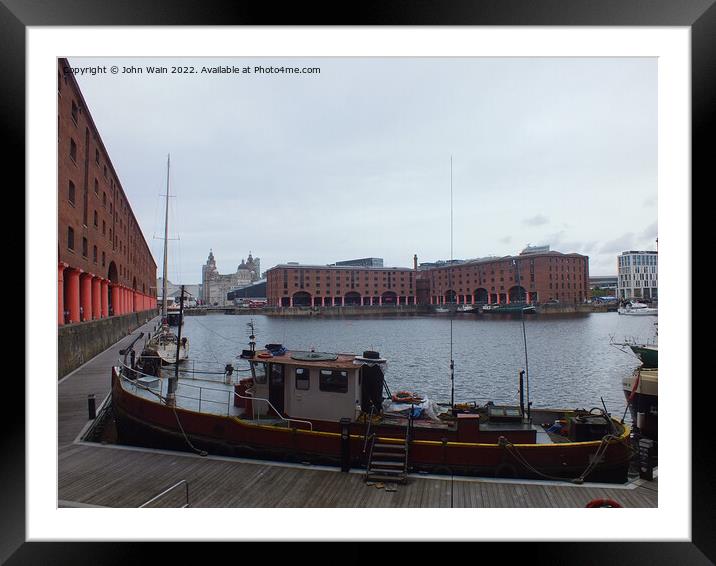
x=214 y=332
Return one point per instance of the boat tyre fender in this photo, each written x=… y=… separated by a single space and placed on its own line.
x=602 y=503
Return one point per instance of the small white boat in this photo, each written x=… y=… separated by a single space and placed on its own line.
x=465 y=308
x=638 y=309
x=164 y=343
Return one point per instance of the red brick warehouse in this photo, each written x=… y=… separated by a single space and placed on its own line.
x=322 y=285
x=532 y=277
x=105 y=267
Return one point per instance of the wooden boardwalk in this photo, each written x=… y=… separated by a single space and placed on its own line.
x=116 y=476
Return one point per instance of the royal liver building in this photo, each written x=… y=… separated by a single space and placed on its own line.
x=215 y=286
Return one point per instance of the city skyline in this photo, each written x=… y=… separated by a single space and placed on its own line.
x=355 y=161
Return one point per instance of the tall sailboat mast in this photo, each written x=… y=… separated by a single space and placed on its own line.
x=452 y=314
x=166 y=241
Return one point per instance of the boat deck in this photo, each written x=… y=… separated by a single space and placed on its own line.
x=214 y=397
x=107 y=475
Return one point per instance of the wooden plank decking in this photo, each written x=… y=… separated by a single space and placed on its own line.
x=116 y=476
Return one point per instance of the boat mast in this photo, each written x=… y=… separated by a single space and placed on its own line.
x=452 y=315
x=524 y=337
x=166 y=241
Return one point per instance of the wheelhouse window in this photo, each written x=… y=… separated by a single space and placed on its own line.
x=303 y=382
x=258 y=371
x=333 y=381
x=276 y=374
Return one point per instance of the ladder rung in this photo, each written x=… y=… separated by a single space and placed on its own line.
x=392 y=446
x=390 y=455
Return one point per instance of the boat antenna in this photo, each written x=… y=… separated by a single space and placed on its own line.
x=252 y=336
x=166 y=241
x=452 y=296
x=524 y=338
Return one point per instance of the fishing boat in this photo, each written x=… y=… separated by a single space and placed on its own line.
x=641 y=390
x=646 y=352
x=635 y=308
x=167 y=346
x=336 y=409
x=174 y=316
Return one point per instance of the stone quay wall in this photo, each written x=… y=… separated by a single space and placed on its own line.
x=79 y=343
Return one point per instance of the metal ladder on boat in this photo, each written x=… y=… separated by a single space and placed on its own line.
x=388 y=462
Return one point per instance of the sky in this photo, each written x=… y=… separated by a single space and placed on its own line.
x=355 y=160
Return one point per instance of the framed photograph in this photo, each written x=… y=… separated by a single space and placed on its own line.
x=475 y=143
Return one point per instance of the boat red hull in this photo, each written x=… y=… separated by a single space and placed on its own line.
x=147 y=423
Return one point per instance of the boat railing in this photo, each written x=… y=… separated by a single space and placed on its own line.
x=201 y=398
x=257 y=416
x=172 y=488
x=367 y=429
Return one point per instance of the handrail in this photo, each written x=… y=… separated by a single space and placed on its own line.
x=367 y=430
x=289 y=420
x=185 y=384
x=309 y=423
x=186 y=484
x=162 y=399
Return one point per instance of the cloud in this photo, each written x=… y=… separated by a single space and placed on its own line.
x=506 y=240
x=623 y=243
x=538 y=220
x=651 y=231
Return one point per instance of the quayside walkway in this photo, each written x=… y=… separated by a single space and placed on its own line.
x=106 y=475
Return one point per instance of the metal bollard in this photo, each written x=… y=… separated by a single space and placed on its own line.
x=345 y=445
x=91 y=407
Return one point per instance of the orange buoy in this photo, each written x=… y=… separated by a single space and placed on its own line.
x=406 y=397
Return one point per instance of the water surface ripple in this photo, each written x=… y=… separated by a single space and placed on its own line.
x=570 y=360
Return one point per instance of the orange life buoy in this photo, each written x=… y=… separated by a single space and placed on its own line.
x=265 y=355
x=602 y=503
x=406 y=397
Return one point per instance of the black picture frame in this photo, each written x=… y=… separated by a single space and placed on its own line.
x=698 y=15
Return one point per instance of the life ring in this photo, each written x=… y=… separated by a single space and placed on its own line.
x=602 y=503
x=406 y=397
x=264 y=355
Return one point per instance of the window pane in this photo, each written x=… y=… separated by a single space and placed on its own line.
x=333 y=381
x=302 y=379
x=259 y=371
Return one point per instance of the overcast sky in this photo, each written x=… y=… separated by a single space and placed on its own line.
x=354 y=161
